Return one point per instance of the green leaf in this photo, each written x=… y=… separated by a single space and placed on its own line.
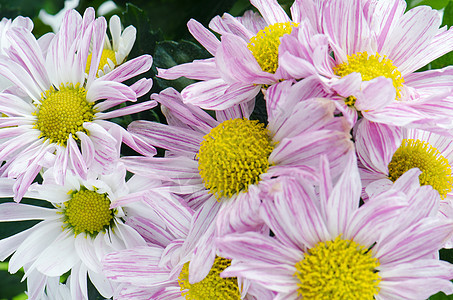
x=29 y=8
x=11 y=285
x=146 y=38
x=172 y=15
x=448 y=15
x=436 y=4
x=441 y=296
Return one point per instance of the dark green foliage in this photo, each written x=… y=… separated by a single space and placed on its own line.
x=30 y=8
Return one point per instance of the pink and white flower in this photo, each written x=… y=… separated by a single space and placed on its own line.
x=326 y=245
x=237 y=73
x=169 y=270
x=297 y=134
x=376 y=47
x=56 y=117
x=386 y=152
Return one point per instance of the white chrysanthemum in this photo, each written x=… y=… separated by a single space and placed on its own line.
x=80 y=228
x=118 y=48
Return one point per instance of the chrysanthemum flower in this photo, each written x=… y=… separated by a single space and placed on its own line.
x=186 y=268
x=79 y=230
x=56 y=116
x=376 y=49
x=227 y=158
x=115 y=51
x=387 y=152
x=327 y=247
x=245 y=59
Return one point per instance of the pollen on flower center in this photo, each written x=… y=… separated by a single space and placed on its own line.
x=339 y=269
x=88 y=212
x=370 y=67
x=264 y=45
x=436 y=171
x=106 y=54
x=233 y=155
x=63 y=112
x=212 y=286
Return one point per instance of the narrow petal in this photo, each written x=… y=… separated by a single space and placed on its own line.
x=218 y=95
x=129 y=69
x=167 y=137
x=271 y=11
x=203 y=36
x=205 y=69
x=76 y=159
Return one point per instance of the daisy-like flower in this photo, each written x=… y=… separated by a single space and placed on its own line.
x=79 y=230
x=376 y=49
x=246 y=58
x=227 y=158
x=387 y=152
x=56 y=117
x=327 y=247
x=186 y=268
x=116 y=50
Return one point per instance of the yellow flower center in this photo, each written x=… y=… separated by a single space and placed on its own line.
x=264 y=45
x=212 y=286
x=233 y=155
x=339 y=269
x=106 y=53
x=62 y=112
x=88 y=212
x=435 y=168
x=370 y=67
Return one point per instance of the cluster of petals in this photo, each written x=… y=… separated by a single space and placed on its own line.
x=329 y=140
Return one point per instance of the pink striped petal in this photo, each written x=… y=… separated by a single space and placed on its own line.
x=110 y=90
x=205 y=69
x=229 y=24
x=76 y=159
x=129 y=69
x=26 y=47
x=218 y=95
x=206 y=38
x=347 y=29
x=138 y=266
x=128 y=110
x=271 y=11
x=167 y=137
x=376 y=143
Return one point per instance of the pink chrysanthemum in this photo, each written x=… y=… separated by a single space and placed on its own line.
x=327 y=247
x=376 y=49
x=55 y=116
x=229 y=157
x=186 y=267
x=387 y=152
x=246 y=58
